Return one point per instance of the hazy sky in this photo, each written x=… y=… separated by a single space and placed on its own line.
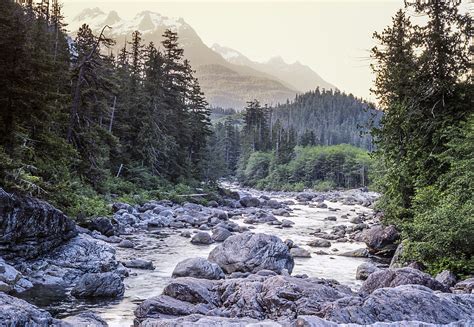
x=332 y=37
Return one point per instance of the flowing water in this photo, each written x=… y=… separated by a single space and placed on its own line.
x=166 y=248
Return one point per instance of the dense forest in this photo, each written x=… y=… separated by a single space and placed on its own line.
x=327 y=117
x=425 y=141
x=80 y=123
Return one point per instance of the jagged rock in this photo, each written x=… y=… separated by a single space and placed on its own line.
x=365 y=269
x=400 y=276
x=465 y=286
x=84 y=319
x=396 y=261
x=446 y=278
x=99 y=285
x=198 y=268
x=381 y=240
x=220 y=234
x=249 y=252
x=249 y=201
x=402 y=303
x=320 y=243
x=11 y=280
x=139 y=264
x=30 y=227
x=201 y=238
x=300 y=253
x=103 y=225
x=15 y=312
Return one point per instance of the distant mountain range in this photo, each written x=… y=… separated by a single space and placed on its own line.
x=228 y=78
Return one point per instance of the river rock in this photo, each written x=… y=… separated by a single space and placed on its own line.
x=319 y=243
x=300 y=253
x=331 y=218
x=249 y=201
x=198 y=268
x=220 y=214
x=402 y=303
x=365 y=269
x=287 y=223
x=274 y=204
x=30 y=227
x=139 y=264
x=465 y=286
x=446 y=278
x=281 y=212
x=91 y=285
x=381 y=240
x=84 y=319
x=126 y=244
x=357 y=253
x=400 y=276
x=202 y=238
x=197 y=320
x=249 y=252
x=103 y=225
x=220 y=234
x=15 y=312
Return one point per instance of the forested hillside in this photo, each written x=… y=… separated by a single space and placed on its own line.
x=79 y=122
x=425 y=142
x=327 y=117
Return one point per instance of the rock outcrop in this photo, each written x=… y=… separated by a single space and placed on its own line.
x=249 y=252
x=30 y=227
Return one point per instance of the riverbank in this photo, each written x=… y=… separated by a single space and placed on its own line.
x=325 y=237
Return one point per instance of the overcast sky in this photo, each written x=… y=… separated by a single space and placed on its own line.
x=332 y=37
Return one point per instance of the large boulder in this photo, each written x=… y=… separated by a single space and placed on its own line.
x=365 y=270
x=202 y=238
x=197 y=320
x=198 y=268
x=30 y=227
x=381 y=240
x=400 y=276
x=249 y=252
x=91 y=285
x=103 y=225
x=84 y=319
x=15 y=312
x=249 y=201
x=446 y=278
x=403 y=303
x=465 y=286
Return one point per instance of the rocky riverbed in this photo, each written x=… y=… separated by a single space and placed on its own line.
x=253 y=259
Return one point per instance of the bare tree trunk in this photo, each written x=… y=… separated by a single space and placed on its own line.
x=113 y=114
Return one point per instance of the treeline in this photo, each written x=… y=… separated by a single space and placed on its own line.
x=269 y=155
x=327 y=117
x=425 y=142
x=321 y=168
x=77 y=121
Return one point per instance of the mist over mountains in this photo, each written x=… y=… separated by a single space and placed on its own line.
x=228 y=78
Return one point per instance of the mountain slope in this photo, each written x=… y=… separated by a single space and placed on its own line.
x=296 y=76
x=227 y=82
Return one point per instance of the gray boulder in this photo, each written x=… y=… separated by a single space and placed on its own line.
x=126 y=244
x=400 y=276
x=198 y=268
x=91 y=285
x=220 y=234
x=249 y=252
x=139 y=264
x=103 y=225
x=364 y=270
x=465 y=286
x=11 y=280
x=249 y=201
x=274 y=204
x=299 y=253
x=287 y=223
x=202 y=238
x=15 y=312
x=197 y=320
x=402 y=303
x=446 y=278
x=357 y=253
x=84 y=319
x=30 y=227
x=381 y=240
x=319 y=243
